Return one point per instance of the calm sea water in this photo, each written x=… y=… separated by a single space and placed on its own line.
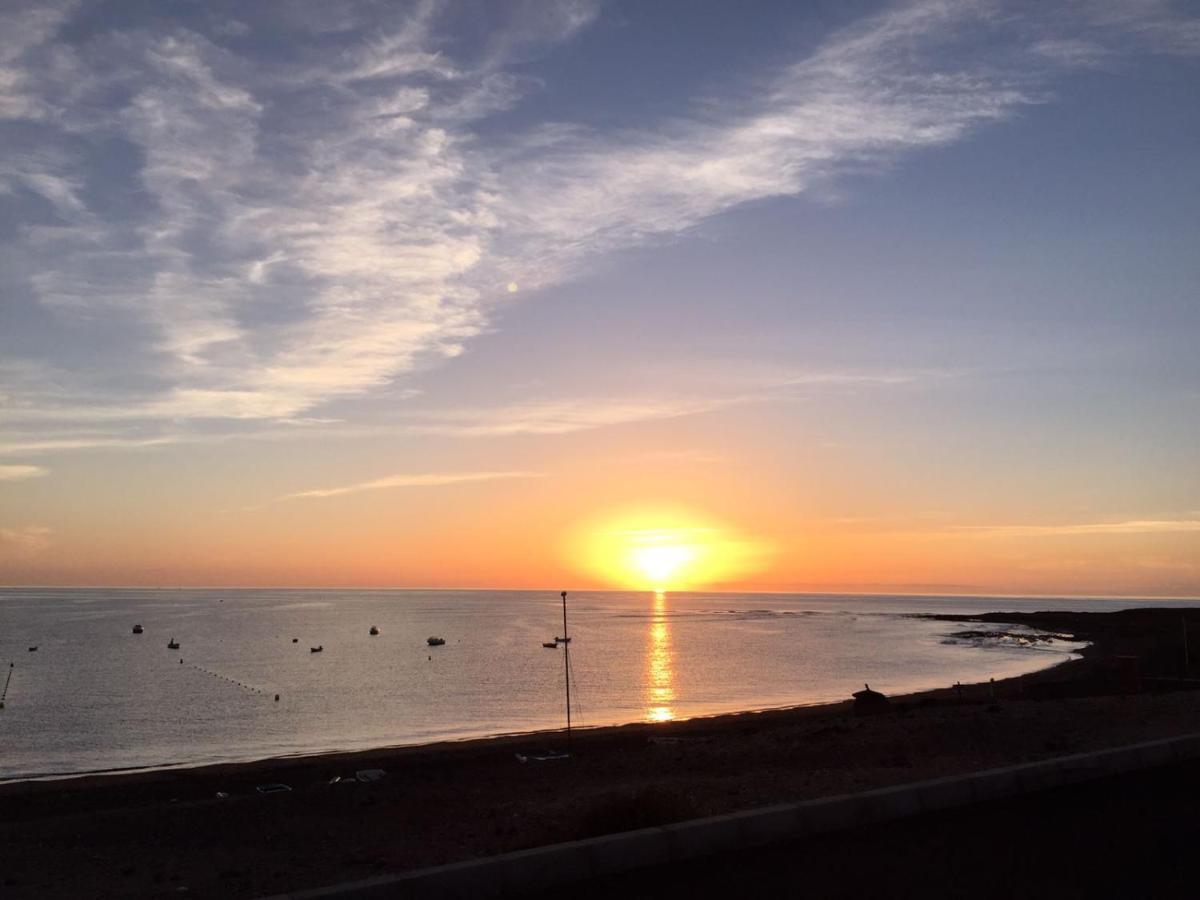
x=95 y=696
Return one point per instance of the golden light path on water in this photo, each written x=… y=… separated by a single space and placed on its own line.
x=660 y=660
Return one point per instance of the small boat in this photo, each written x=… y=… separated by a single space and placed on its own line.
x=33 y=648
x=172 y=644
x=295 y=640
x=435 y=641
x=559 y=640
x=316 y=649
x=137 y=629
x=550 y=645
x=374 y=631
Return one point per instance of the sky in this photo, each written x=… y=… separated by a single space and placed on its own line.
x=834 y=296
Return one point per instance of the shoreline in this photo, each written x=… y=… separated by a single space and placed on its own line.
x=251 y=758
x=549 y=734
x=208 y=828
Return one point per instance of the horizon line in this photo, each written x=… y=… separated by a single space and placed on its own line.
x=972 y=594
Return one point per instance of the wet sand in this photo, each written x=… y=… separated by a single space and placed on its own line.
x=155 y=833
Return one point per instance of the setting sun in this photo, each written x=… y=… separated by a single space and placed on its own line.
x=663 y=550
x=662 y=557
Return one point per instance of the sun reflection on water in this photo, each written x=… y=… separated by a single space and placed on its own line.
x=660 y=659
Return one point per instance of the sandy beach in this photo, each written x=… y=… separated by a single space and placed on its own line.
x=210 y=831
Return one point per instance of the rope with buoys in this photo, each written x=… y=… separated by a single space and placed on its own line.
x=7 y=681
x=233 y=681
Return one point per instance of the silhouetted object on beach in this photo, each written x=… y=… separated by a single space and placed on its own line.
x=172 y=644
x=374 y=630
x=550 y=645
x=137 y=629
x=548 y=756
x=435 y=641
x=868 y=702
x=317 y=649
x=295 y=640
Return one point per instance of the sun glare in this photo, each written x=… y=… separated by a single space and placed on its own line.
x=662 y=556
x=663 y=551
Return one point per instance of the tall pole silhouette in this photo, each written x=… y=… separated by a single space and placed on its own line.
x=567 y=667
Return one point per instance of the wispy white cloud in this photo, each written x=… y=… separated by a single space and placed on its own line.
x=99 y=428
x=404 y=481
x=1163 y=26
x=1133 y=526
x=565 y=415
x=316 y=227
x=20 y=473
x=87 y=442
x=26 y=26
x=558 y=416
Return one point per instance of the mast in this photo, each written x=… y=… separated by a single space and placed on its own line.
x=567 y=667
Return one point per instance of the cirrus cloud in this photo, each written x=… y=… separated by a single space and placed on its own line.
x=20 y=473
x=290 y=230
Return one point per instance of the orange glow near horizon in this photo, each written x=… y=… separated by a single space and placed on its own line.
x=663 y=550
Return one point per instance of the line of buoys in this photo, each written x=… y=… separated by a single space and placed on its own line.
x=4 y=693
x=246 y=687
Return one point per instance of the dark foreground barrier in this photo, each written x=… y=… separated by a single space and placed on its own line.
x=525 y=871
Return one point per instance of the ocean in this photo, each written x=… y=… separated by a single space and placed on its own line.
x=96 y=697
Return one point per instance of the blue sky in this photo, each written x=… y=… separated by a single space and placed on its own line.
x=458 y=244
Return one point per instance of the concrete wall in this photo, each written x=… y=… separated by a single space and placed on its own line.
x=513 y=874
